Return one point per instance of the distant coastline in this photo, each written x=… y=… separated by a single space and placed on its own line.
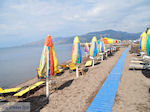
x=84 y=38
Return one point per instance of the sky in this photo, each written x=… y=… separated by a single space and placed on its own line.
x=23 y=21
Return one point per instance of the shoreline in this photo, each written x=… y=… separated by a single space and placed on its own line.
x=34 y=79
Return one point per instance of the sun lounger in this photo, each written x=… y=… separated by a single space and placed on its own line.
x=138 y=67
x=28 y=89
x=72 y=66
x=99 y=58
x=146 y=58
x=88 y=63
x=102 y=56
x=10 y=90
x=59 y=71
x=1 y=89
x=137 y=62
x=142 y=54
x=64 y=66
x=106 y=54
x=1 y=99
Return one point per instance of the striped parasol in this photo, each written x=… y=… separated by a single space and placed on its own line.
x=148 y=43
x=101 y=46
x=94 y=48
x=140 y=43
x=48 y=62
x=76 y=53
x=86 y=49
x=143 y=41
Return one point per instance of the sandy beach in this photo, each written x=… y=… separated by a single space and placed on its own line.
x=133 y=93
x=71 y=94
x=75 y=95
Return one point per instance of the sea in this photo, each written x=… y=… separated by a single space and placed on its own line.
x=19 y=64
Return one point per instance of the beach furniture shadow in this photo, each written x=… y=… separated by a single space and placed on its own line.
x=66 y=84
x=59 y=74
x=36 y=103
x=86 y=70
x=96 y=63
x=146 y=73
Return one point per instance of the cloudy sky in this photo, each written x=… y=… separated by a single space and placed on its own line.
x=23 y=21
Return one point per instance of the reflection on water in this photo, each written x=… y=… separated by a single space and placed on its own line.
x=19 y=64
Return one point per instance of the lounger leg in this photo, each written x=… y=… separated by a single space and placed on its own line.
x=86 y=54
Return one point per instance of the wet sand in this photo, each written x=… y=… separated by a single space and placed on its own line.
x=133 y=93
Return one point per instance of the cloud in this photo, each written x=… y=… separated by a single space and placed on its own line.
x=31 y=20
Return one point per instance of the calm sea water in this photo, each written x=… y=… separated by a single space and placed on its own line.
x=19 y=64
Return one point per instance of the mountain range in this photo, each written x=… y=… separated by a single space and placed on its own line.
x=87 y=37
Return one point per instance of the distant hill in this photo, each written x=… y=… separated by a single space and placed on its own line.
x=41 y=42
x=87 y=37
x=106 y=33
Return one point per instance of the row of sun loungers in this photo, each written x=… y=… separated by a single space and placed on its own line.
x=141 y=62
x=19 y=92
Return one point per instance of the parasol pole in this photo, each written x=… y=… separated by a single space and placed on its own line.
x=47 y=88
x=86 y=54
x=93 y=62
x=106 y=54
x=77 y=73
x=102 y=57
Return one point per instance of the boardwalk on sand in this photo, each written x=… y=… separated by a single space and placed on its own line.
x=104 y=99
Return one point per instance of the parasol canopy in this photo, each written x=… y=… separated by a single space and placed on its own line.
x=48 y=62
x=101 y=46
x=86 y=49
x=105 y=40
x=143 y=41
x=148 y=43
x=76 y=51
x=140 y=44
x=108 y=40
x=94 y=47
x=117 y=41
